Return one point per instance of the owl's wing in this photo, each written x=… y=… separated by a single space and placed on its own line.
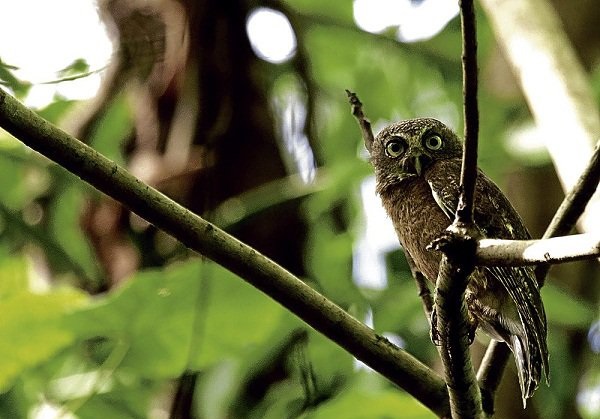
x=495 y=217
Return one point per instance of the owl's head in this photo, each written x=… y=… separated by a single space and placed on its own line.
x=405 y=150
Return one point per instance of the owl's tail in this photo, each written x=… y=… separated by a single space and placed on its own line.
x=529 y=360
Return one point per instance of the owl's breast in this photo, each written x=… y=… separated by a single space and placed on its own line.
x=418 y=220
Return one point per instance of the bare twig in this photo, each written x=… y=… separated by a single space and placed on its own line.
x=424 y=293
x=363 y=122
x=575 y=201
x=207 y=239
x=468 y=175
x=491 y=371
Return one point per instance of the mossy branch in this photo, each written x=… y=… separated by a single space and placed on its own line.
x=198 y=234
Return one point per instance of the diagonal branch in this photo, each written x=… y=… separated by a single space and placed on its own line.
x=495 y=359
x=573 y=206
x=198 y=234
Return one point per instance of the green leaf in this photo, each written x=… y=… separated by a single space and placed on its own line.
x=13 y=276
x=366 y=401
x=7 y=78
x=64 y=222
x=188 y=316
x=113 y=128
x=153 y=314
x=122 y=402
x=235 y=318
x=78 y=66
x=326 y=249
x=13 y=190
x=340 y=10
x=32 y=329
x=56 y=110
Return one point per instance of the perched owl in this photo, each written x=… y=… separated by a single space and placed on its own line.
x=417 y=169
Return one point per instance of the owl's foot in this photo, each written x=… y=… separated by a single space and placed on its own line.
x=472 y=330
x=434 y=331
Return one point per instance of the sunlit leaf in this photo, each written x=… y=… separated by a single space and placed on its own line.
x=32 y=329
x=112 y=129
x=76 y=67
x=7 y=78
x=232 y=318
x=14 y=278
x=153 y=313
x=122 y=402
x=362 y=402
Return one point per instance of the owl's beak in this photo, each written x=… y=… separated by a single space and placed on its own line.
x=416 y=163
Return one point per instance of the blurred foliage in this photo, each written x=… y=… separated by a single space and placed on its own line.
x=117 y=354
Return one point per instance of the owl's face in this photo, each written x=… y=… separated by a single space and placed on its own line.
x=405 y=150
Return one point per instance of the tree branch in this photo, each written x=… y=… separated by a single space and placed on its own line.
x=468 y=174
x=198 y=234
x=573 y=206
x=496 y=252
x=450 y=327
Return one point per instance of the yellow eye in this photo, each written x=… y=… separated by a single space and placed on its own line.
x=395 y=148
x=433 y=142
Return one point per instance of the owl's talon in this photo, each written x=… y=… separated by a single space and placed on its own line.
x=472 y=330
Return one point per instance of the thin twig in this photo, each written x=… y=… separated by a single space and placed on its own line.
x=468 y=175
x=422 y=288
x=490 y=372
x=363 y=122
x=205 y=238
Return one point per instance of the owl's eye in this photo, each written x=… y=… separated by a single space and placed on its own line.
x=395 y=148
x=433 y=142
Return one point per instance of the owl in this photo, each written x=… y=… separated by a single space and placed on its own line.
x=417 y=170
